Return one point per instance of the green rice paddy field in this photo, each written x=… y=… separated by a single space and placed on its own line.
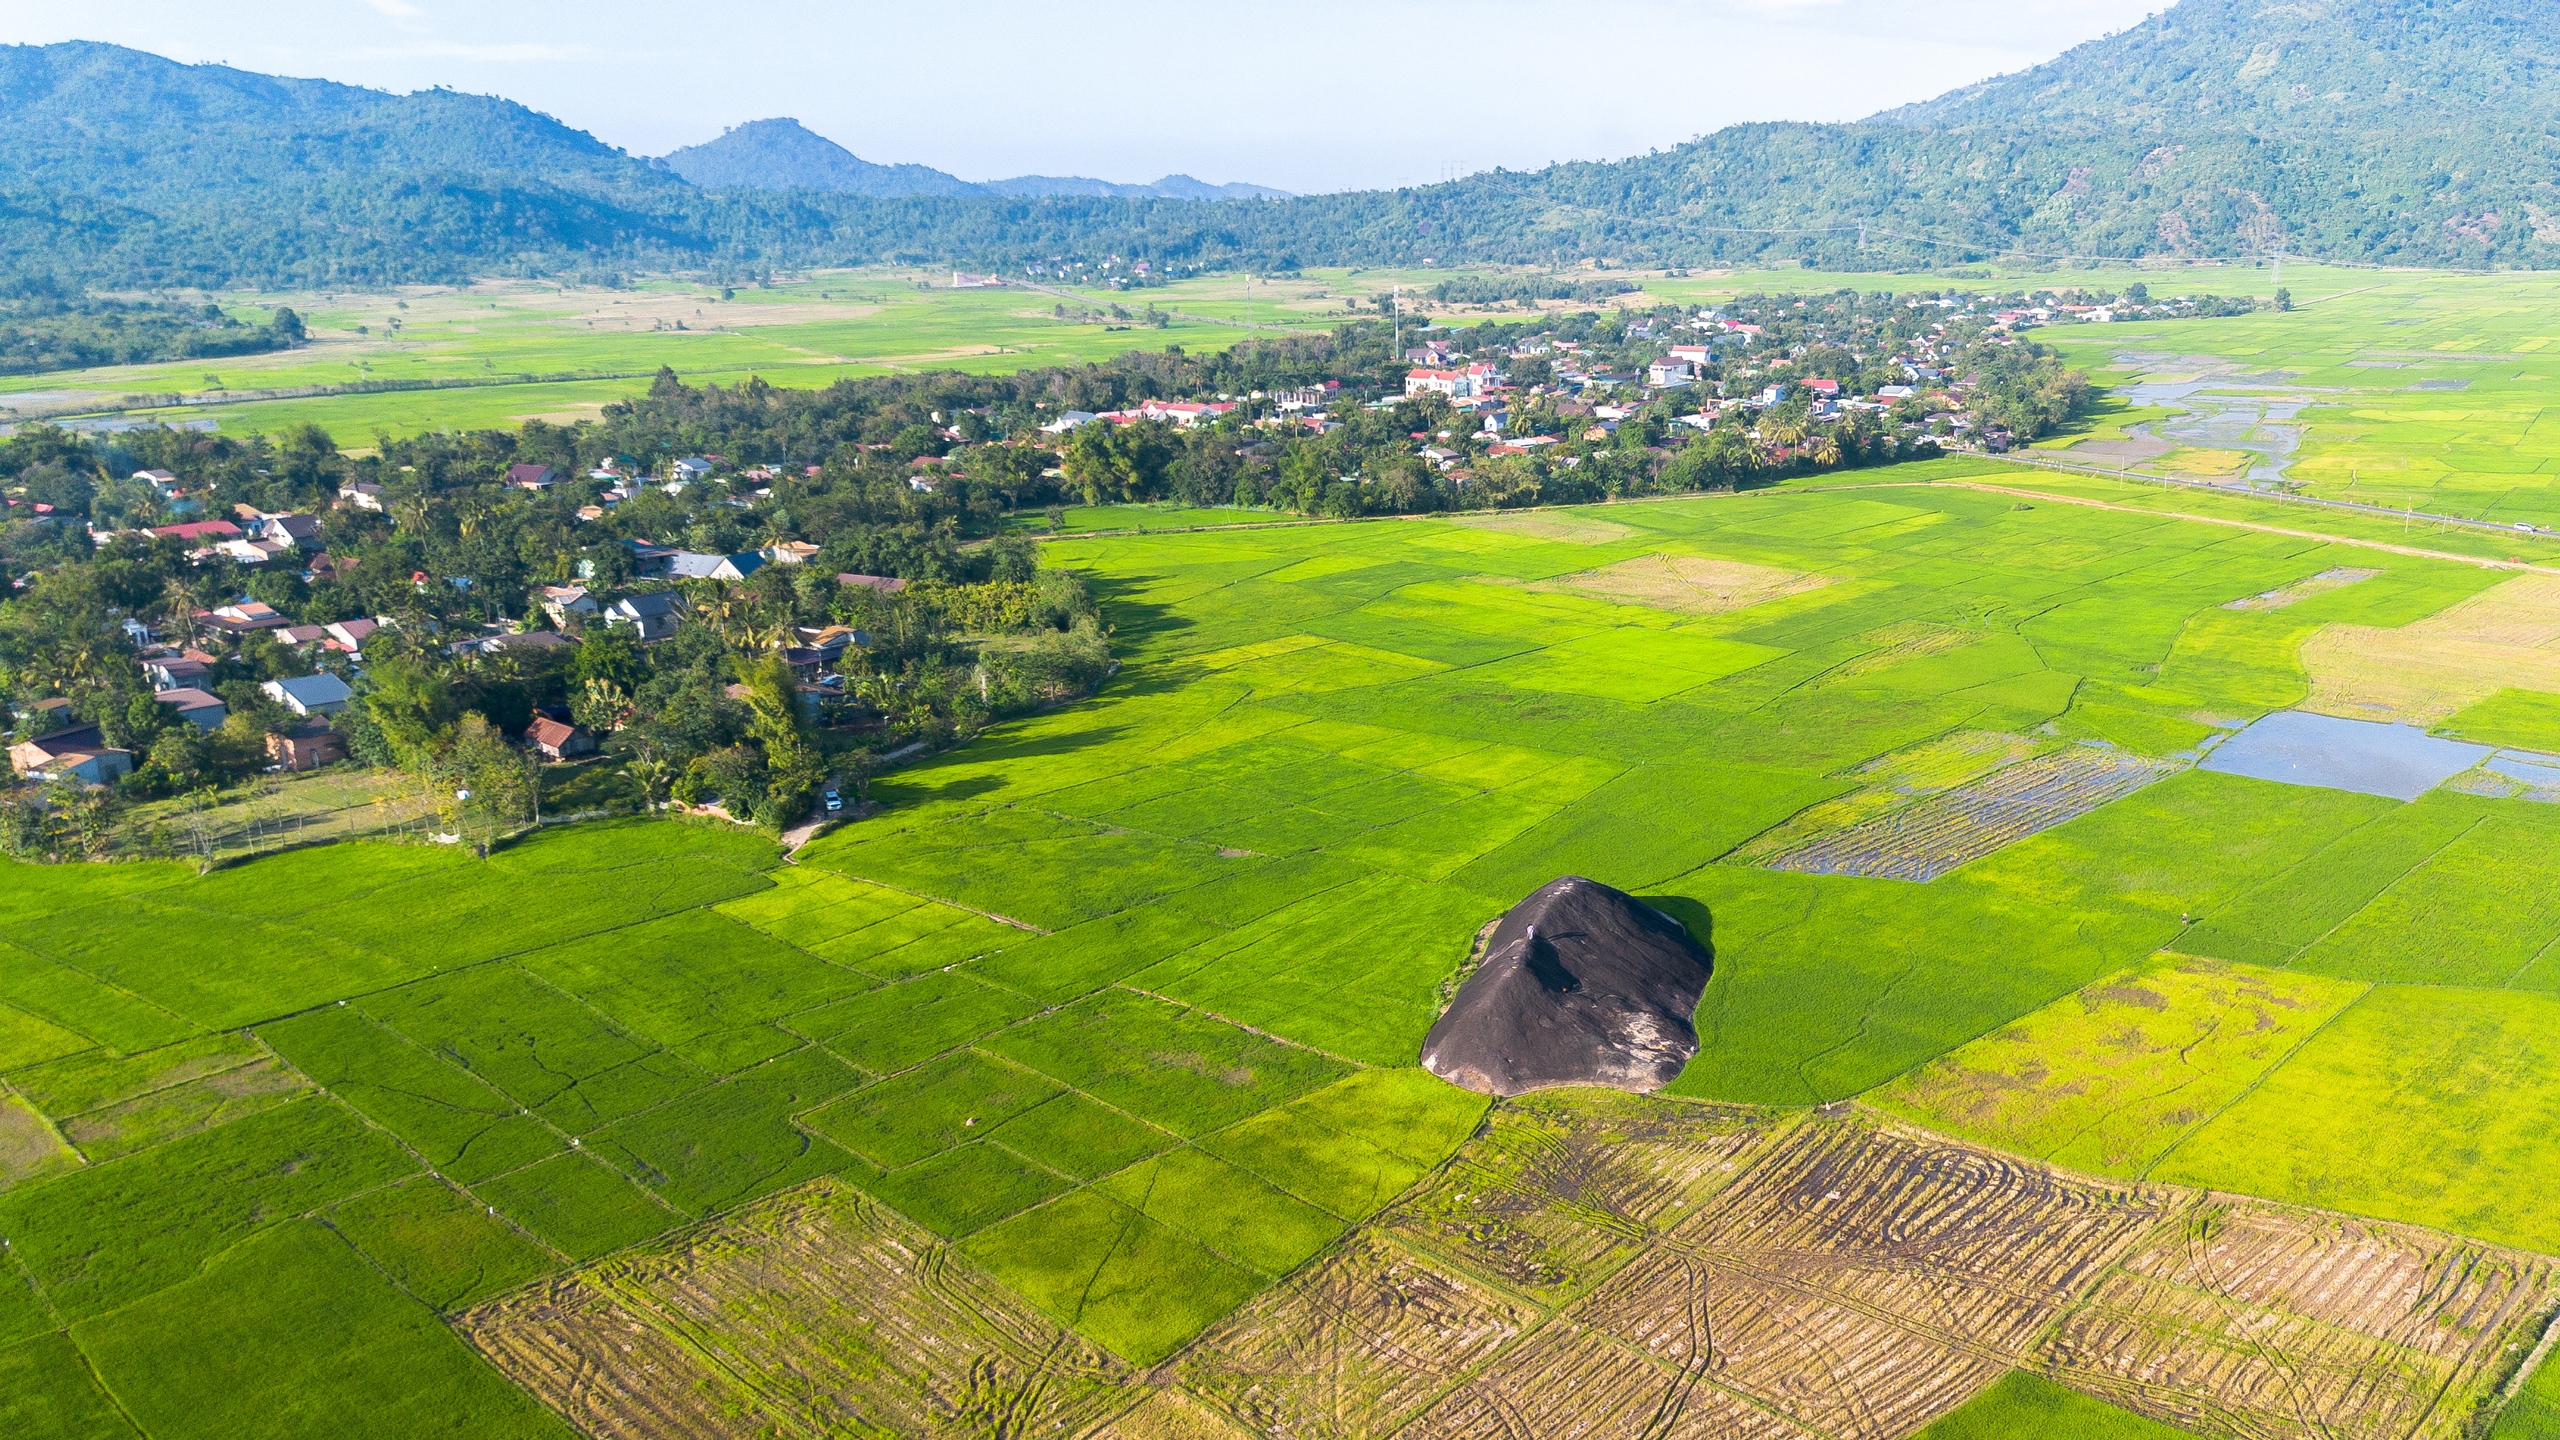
x=2402 y=389
x=506 y=351
x=1122 y=1003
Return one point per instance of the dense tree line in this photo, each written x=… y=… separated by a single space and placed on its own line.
x=47 y=323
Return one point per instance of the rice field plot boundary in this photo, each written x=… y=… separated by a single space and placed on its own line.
x=1955 y=828
x=1845 y=1275
x=808 y=1313
x=2257 y=1319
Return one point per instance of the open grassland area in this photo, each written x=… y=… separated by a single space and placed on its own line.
x=2399 y=389
x=1073 y=1091
x=498 y=352
x=493 y=354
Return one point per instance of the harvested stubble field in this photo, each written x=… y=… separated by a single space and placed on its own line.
x=1090 y=1057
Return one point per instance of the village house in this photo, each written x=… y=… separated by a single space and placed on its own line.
x=526 y=642
x=562 y=602
x=307 y=746
x=322 y=694
x=791 y=552
x=197 y=708
x=536 y=478
x=360 y=495
x=176 y=671
x=651 y=617
x=78 y=753
x=559 y=741
x=202 y=532
x=241 y=617
x=686 y=565
x=348 y=636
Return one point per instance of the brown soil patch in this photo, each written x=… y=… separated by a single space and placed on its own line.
x=815 y=1303
x=1168 y=1415
x=1353 y=1345
x=604 y=1365
x=2504 y=638
x=1690 y=584
x=29 y=1150
x=175 y=1110
x=1899 y=644
x=1574 y=1381
x=1552 y=525
x=2301 y=590
x=2256 y=1320
x=1565 y=1186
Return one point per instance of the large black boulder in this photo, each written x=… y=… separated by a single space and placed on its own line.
x=1581 y=985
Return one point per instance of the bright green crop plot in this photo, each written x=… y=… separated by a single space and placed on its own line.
x=2421 y=1104
x=438 y=1245
x=2525 y=719
x=2534 y=1414
x=2019 y=1405
x=293 y=1335
x=1124 y=1001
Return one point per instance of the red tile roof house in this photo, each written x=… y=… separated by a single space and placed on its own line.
x=560 y=741
x=199 y=530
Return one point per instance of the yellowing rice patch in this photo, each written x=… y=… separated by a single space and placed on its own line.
x=2504 y=638
x=1691 y=584
x=1552 y=525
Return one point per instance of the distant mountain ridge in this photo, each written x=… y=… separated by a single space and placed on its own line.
x=2414 y=132
x=783 y=154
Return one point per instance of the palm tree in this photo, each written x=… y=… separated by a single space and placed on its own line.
x=180 y=598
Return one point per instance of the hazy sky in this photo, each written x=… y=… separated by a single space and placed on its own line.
x=1307 y=95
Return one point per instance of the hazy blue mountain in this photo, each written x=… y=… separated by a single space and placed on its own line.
x=1171 y=187
x=786 y=155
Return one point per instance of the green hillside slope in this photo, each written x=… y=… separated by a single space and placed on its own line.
x=2396 y=131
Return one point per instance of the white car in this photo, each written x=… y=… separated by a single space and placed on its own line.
x=835 y=802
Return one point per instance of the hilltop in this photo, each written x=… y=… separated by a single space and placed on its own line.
x=783 y=154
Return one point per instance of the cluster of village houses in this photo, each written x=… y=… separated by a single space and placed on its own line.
x=180 y=672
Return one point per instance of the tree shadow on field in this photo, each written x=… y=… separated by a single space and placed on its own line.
x=1139 y=619
x=902 y=790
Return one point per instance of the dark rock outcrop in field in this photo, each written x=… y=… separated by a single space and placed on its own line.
x=1581 y=985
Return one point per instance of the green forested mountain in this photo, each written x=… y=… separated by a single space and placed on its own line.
x=2405 y=131
x=786 y=155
